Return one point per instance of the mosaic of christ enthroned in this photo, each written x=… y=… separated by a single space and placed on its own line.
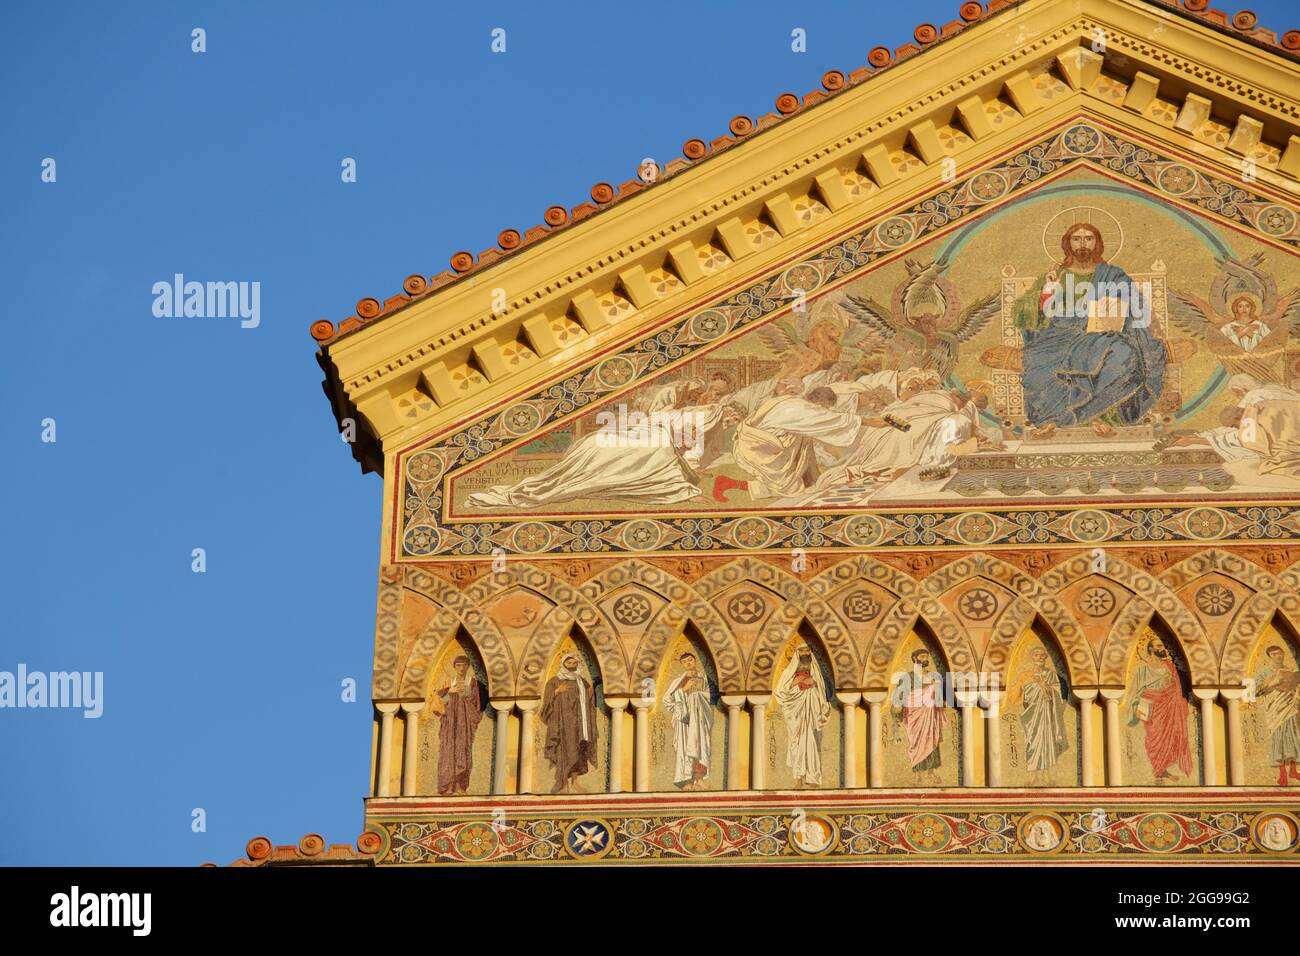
x=1084 y=341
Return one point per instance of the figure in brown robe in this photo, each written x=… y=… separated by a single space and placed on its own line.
x=569 y=713
x=462 y=710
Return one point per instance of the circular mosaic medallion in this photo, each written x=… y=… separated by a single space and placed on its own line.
x=928 y=833
x=746 y=607
x=642 y=535
x=860 y=606
x=1159 y=832
x=423 y=467
x=588 y=839
x=521 y=419
x=1090 y=525
x=802 y=277
x=863 y=530
x=1276 y=220
x=632 y=609
x=978 y=604
x=1215 y=599
x=894 y=232
x=1097 y=602
x=532 y=537
x=707 y=325
x=1081 y=140
x=1177 y=179
x=420 y=539
x=988 y=186
x=975 y=528
x=476 y=841
x=615 y=371
x=1206 y=523
x=752 y=532
x=811 y=835
x=701 y=836
x=1275 y=832
x=1041 y=832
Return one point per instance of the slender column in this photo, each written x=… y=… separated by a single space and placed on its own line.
x=758 y=741
x=411 y=749
x=1087 y=745
x=991 y=700
x=617 y=710
x=527 y=744
x=641 y=745
x=875 y=737
x=849 y=701
x=1111 y=697
x=1209 y=759
x=386 y=712
x=733 y=705
x=1236 y=755
x=501 y=746
x=968 y=701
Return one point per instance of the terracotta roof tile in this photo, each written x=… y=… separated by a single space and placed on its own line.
x=311 y=850
x=1243 y=23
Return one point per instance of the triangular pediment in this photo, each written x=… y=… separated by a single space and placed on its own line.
x=893 y=224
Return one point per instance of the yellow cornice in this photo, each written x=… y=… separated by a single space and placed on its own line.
x=890 y=137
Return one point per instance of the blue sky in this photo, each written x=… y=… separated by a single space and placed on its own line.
x=222 y=689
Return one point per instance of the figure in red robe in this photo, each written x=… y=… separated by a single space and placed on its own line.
x=1160 y=704
x=462 y=709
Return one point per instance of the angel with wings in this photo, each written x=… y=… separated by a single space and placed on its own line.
x=1246 y=323
x=808 y=342
x=924 y=324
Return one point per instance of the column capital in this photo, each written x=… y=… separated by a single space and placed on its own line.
x=733 y=700
x=412 y=706
x=1084 y=693
x=1205 y=693
x=875 y=697
x=990 y=699
x=966 y=698
x=1232 y=693
x=617 y=704
x=528 y=706
x=1111 y=693
x=759 y=700
x=387 y=707
x=504 y=706
x=641 y=703
x=850 y=698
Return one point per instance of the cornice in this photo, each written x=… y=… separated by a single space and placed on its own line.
x=449 y=355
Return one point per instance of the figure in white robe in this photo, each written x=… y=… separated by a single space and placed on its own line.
x=1042 y=715
x=689 y=700
x=801 y=695
x=775 y=445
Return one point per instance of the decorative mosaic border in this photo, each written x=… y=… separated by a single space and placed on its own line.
x=1100 y=827
x=425 y=533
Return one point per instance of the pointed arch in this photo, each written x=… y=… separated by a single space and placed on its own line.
x=684 y=606
x=482 y=630
x=442 y=631
x=1202 y=661
x=566 y=597
x=1284 y=594
x=1244 y=633
x=920 y=608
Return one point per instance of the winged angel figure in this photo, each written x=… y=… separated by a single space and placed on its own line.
x=1245 y=324
x=924 y=324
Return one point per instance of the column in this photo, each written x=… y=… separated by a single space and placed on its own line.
x=968 y=700
x=501 y=746
x=758 y=741
x=733 y=705
x=1209 y=760
x=411 y=755
x=1111 y=697
x=386 y=712
x=875 y=737
x=617 y=709
x=1234 y=743
x=849 y=701
x=1087 y=746
x=527 y=748
x=641 y=745
x=992 y=703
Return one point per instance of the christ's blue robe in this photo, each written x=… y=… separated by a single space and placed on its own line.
x=1072 y=376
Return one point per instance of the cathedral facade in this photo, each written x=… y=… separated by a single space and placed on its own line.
x=907 y=475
